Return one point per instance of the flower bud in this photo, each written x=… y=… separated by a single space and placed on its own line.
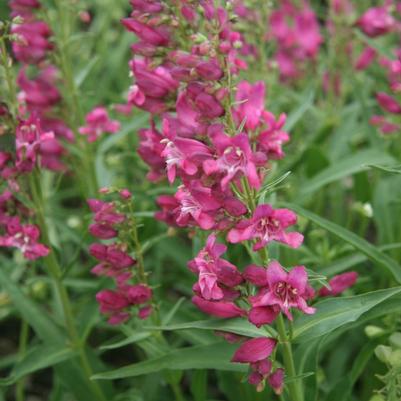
x=383 y=353
x=374 y=331
x=395 y=340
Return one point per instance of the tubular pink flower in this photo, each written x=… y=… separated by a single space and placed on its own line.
x=223 y=309
x=266 y=225
x=254 y=350
x=338 y=284
x=235 y=159
x=376 y=21
x=285 y=290
x=98 y=123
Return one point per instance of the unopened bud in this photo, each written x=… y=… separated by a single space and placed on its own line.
x=373 y=331
x=199 y=38
x=394 y=359
x=383 y=353
x=395 y=340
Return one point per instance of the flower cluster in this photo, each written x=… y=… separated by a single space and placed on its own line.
x=39 y=97
x=217 y=141
x=111 y=222
x=295 y=31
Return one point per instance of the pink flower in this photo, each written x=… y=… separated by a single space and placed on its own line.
x=182 y=154
x=98 y=123
x=214 y=273
x=28 y=140
x=223 y=309
x=40 y=93
x=276 y=380
x=252 y=100
x=272 y=138
x=33 y=43
x=338 y=284
x=150 y=150
x=235 y=158
x=155 y=36
x=113 y=304
x=388 y=103
x=285 y=290
x=385 y=126
x=138 y=294
x=376 y=21
x=254 y=350
x=196 y=206
x=25 y=238
x=365 y=58
x=266 y=225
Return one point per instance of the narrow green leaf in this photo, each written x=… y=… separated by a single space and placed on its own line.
x=345 y=167
x=35 y=316
x=236 y=326
x=37 y=358
x=388 y=169
x=130 y=340
x=336 y=312
x=372 y=252
x=213 y=356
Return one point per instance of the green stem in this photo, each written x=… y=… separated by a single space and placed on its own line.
x=23 y=341
x=295 y=386
x=56 y=274
x=177 y=391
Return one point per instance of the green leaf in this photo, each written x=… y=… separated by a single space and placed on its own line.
x=345 y=167
x=35 y=316
x=359 y=243
x=236 y=326
x=39 y=357
x=395 y=169
x=336 y=312
x=129 y=340
x=213 y=356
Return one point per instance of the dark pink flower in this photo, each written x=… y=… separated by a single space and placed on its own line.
x=33 y=41
x=272 y=138
x=155 y=36
x=276 y=380
x=285 y=290
x=385 y=126
x=388 y=103
x=376 y=21
x=223 y=309
x=235 y=159
x=25 y=238
x=266 y=225
x=138 y=294
x=214 y=273
x=145 y=312
x=365 y=58
x=254 y=350
x=196 y=207
x=98 y=123
x=251 y=99
x=28 y=140
x=182 y=154
x=113 y=304
x=339 y=283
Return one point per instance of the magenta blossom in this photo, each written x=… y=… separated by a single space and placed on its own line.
x=251 y=99
x=272 y=138
x=214 y=272
x=223 y=309
x=339 y=283
x=113 y=304
x=266 y=225
x=285 y=290
x=98 y=123
x=235 y=159
x=388 y=103
x=376 y=21
x=25 y=238
x=254 y=350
